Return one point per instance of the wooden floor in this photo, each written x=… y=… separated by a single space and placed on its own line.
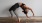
x=22 y=19
x=31 y=19
x=8 y=20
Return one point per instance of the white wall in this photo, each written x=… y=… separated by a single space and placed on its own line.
x=36 y=5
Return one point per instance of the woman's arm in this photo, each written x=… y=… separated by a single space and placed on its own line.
x=31 y=11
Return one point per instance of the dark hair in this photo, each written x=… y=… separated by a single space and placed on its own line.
x=22 y=4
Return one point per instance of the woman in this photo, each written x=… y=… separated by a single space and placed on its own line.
x=23 y=6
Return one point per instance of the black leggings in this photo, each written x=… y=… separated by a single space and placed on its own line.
x=12 y=14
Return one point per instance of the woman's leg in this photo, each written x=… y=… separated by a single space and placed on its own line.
x=11 y=14
x=15 y=14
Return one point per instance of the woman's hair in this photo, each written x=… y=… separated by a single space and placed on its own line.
x=22 y=4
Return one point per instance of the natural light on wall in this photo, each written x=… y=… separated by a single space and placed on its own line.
x=36 y=6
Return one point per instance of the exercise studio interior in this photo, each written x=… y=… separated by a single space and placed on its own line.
x=20 y=11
